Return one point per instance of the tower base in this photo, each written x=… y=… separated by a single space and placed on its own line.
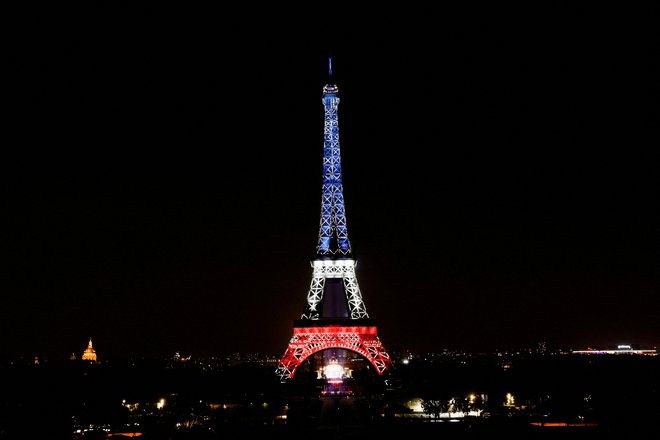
x=312 y=336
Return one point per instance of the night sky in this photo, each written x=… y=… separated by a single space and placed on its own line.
x=161 y=176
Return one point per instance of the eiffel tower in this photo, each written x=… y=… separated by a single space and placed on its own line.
x=335 y=316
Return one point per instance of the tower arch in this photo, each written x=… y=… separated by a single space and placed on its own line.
x=362 y=340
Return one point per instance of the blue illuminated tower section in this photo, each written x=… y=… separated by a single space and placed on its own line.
x=333 y=233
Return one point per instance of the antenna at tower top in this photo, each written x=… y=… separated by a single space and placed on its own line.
x=330 y=65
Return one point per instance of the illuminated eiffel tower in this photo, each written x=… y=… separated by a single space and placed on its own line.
x=335 y=316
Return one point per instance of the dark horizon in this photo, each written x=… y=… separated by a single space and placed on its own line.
x=162 y=189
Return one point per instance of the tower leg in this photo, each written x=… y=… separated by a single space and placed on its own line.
x=355 y=304
x=314 y=297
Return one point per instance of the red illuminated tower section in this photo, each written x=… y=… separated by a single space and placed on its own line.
x=335 y=316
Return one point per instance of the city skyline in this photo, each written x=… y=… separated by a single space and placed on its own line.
x=162 y=190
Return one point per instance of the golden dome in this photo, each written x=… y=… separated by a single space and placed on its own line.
x=89 y=354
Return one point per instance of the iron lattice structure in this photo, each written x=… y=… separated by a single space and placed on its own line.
x=344 y=269
x=307 y=341
x=320 y=329
x=333 y=233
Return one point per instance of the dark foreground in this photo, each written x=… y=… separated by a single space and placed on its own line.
x=544 y=397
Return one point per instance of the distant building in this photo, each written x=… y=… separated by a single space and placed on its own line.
x=620 y=349
x=89 y=354
x=178 y=358
x=72 y=357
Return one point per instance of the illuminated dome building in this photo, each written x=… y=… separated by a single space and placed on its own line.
x=89 y=354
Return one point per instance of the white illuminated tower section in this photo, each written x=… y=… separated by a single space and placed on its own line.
x=335 y=316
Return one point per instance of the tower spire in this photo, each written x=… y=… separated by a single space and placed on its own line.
x=330 y=66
